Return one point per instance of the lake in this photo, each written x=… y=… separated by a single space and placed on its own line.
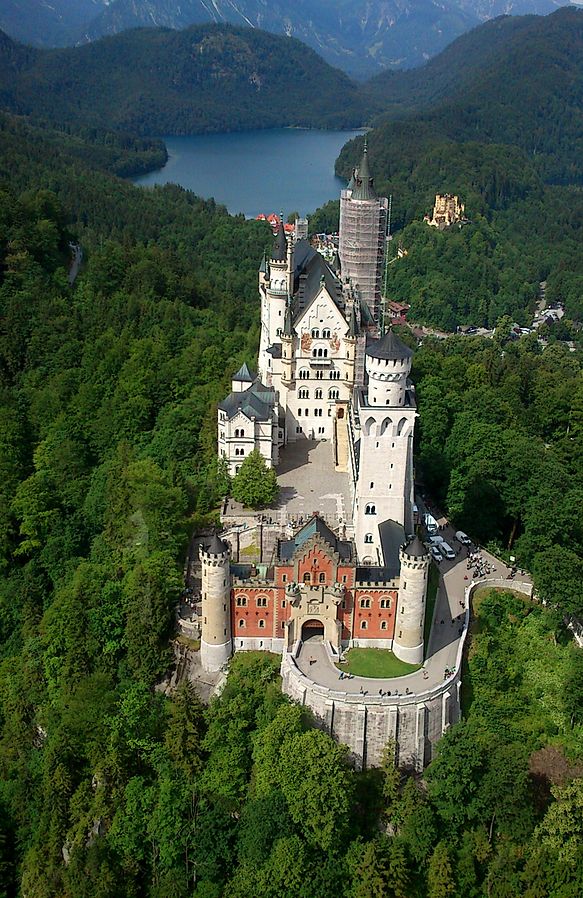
x=251 y=172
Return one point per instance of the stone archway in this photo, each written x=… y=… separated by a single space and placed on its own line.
x=312 y=629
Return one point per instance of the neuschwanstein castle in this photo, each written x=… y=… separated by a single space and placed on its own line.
x=326 y=370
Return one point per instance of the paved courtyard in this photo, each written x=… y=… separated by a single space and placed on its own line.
x=309 y=483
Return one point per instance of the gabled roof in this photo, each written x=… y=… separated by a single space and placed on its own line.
x=256 y=402
x=389 y=347
x=244 y=375
x=316 y=526
x=311 y=272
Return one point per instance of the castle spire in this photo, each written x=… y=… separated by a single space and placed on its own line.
x=280 y=246
x=364 y=189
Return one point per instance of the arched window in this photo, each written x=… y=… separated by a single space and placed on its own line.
x=368 y=537
x=241 y=601
x=318 y=394
x=369 y=426
x=262 y=625
x=364 y=625
x=315 y=332
x=322 y=578
x=307 y=577
x=326 y=333
x=384 y=625
x=386 y=423
x=370 y=508
x=333 y=394
x=241 y=623
x=261 y=601
x=401 y=425
x=304 y=393
x=304 y=373
x=279 y=332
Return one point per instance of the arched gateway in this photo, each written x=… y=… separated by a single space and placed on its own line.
x=312 y=629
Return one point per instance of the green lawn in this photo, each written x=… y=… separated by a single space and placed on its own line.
x=375 y=663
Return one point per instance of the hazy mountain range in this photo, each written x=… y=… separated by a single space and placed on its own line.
x=362 y=37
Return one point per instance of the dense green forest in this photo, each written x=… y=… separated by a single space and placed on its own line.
x=159 y=81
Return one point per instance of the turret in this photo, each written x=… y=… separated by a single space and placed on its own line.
x=215 y=644
x=242 y=380
x=287 y=343
x=410 y=616
x=388 y=364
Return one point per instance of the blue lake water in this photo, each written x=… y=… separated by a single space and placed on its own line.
x=257 y=171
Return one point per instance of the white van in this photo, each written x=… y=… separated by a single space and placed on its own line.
x=446 y=550
x=436 y=554
x=463 y=538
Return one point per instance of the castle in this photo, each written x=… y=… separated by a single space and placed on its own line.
x=327 y=370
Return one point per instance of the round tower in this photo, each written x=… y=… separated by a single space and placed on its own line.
x=388 y=365
x=410 y=616
x=215 y=643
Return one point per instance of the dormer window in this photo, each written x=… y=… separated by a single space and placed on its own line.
x=370 y=508
x=315 y=332
x=326 y=333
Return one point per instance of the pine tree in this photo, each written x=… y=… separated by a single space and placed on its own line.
x=440 y=882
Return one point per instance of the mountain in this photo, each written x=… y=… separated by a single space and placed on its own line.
x=362 y=37
x=158 y=81
x=514 y=81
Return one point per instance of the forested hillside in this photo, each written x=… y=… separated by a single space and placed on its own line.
x=157 y=81
x=485 y=88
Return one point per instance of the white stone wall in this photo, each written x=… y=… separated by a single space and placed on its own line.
x=255 y=644
x=365 y=724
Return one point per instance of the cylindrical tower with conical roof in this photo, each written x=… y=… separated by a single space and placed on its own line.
x=216 y=643
x=410 y=616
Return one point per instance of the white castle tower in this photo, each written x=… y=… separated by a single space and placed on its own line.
x=384 y=488
x=410 y=616
x=215 y=644
x=275 y=285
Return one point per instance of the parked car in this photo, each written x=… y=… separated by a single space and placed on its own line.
x=436 y=554
x=463 y=538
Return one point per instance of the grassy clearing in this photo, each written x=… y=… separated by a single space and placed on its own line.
x=375 y=663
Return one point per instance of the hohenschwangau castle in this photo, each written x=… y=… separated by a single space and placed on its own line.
x=326 y=370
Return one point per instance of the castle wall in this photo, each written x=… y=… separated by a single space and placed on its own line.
x=415 y=722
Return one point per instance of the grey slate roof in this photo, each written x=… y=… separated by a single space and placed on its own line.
x=275 y=351
x=215 y=546
x=392 y=538
x=256 y=402
x=244 y=374
x=389 y=347
x=315 y=526
x=311 y=271
x=280 y=246
x=364 y=189
x=415 y=549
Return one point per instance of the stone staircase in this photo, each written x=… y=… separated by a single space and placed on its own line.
x=341 y=444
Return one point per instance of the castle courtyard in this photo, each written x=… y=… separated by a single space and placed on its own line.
x=309 y=482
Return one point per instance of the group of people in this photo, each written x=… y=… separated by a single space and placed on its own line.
x=479 y=565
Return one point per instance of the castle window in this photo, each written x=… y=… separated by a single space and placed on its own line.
x=262 y=624
x=241 y=623
x=307 y=577
x=315 y=332
x=322 y=578
x=304 y=374
x=318 y=412
x=385 y=603
x=284 y=578
x=262 y=602
x=319 y=375
x=279 y=331
x=237 y=468
x=241 y=601
x=304 y=393
x=344 y=578
x=222 y=435
x=370 y=508
x=384 y=625
x=318 y=394
x=326 y=333
x=298 y=429
x=307 y=412
x=333 y=394
x=299 y=415
x=368 y=537
x=365 y=603
x=372 y=485
x=363 y=624
x=321 y=430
